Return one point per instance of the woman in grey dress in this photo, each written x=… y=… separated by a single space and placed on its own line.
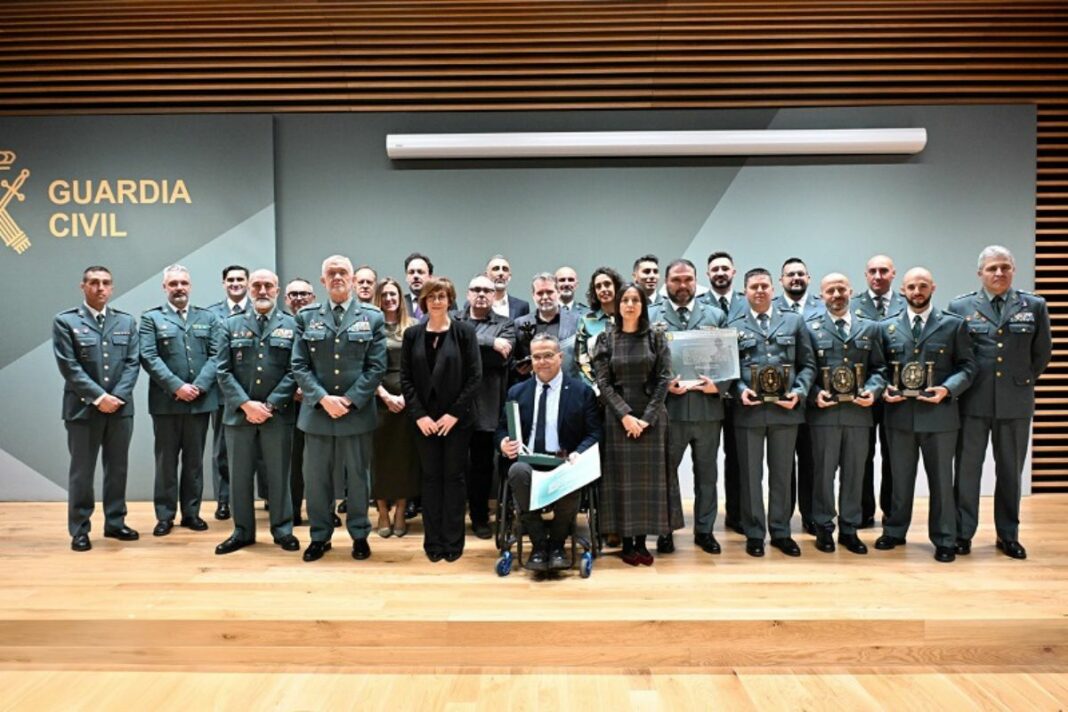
x=639 y=493
x=395 y=468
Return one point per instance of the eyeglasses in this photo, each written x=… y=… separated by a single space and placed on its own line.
x=294 y=295
x=480 y=290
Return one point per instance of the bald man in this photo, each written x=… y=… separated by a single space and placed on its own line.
x=927 y=424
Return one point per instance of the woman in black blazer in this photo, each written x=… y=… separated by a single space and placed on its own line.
x=440 y=372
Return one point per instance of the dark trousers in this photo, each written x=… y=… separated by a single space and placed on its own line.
x=220 y=468
x=296 y=470
x=937 y=450
x=781 y=440
x=323 y=456
x=179 y=436
x=886 y=484
x=564 y=510
x=1010 y=439
x=480 y=476
x=86 y=439
x=443 y=461
x=702 y=437
x=270 y=441
x=838 y=449
x=801 y=478
x=731 y=471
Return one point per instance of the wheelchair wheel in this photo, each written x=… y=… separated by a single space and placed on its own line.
x=504 y=564
x=586 y=565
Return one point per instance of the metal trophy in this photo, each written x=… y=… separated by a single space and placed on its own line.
x=913 y=379
x=844 y=384
x=770 y=383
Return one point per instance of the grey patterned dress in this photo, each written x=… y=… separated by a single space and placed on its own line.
x=639 y=493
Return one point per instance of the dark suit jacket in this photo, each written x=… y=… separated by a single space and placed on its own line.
x=452 y=385
x=526 y=326
x=517 y=307
x=486 y=406
x=578 y=425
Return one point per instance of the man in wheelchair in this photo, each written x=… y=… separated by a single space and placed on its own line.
x=558 y=415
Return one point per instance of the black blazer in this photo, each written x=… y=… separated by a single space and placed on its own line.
x=517 y=307
x=578 y=425
x=457 y=372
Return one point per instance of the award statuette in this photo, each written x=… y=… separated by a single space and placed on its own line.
x=844 y=384
x=912 y=380
x=770 y=383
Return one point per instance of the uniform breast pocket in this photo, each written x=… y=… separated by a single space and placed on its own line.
x=937 y=352
x=87 y=346
x=787 y=346
x=1022 y=328
x=978 y=328
x=746 y=350
x=281 y=350
x=359 y=338
x=824 y=344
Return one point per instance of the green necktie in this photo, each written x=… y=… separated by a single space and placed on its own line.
x=917 y=327
x=840 y=323
x=338 y=313
x=997 y=302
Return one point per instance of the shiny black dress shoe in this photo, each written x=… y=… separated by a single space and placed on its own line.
x=558 y=560
x=537 y=561
x=852 y=543
x=361 y=549
x=754 y=547
x=315 y=550
x=195 y=523
x=123 y=533
x=231 y=545
x=435 y=556
x=1012 y=549
x=887 y=542
x=945 y=554
x=787 y=546
x=411 y=510
x=163 y=528
x=80 y=543
x=288 y=543
x=707 y=542
x=222 y=512
x=964 y=547
x=867 y=523
x=482 y=530
x=809 y=527
x=665 y=544
x=825 y=541
x=342 y=507
x=337 y=521
x=452 y=556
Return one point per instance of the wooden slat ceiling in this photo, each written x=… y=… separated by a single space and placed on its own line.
x=182 y=56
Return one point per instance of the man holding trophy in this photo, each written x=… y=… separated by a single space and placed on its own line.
x=850 y=377
x=931 y=363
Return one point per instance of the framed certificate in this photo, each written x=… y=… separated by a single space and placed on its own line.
x=704 y=352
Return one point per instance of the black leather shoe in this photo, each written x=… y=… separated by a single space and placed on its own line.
x=361 y=549
x=707 y=542
x=222 y=512
x=809 y=526
x=315 y=550
x=754 y=547
x=1012 y=549
x=162 y=528
x=945 y=554
x=734 y=526
x=887 y=542
x=852 y=543
x=787 y=546
x=665 y=544
x=482 y=530
x=435 y=556
x=867 y=523
x=80 y=543
x=342 y=507
x=558 y=560
x=537 y=561
x=288 y=543
x=337 y=521
x=231 y=545
x=964 y=547
x=824 y=541
x=123 y=533
x=195 y=523
x=411 y=511
x=453 y=556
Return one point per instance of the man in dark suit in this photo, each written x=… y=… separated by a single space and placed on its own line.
x=1010 y=332
x=96 y=350
x=769 y=337
x=299 y=294
x=235 y=282
x=339 y=358
x=417 y=269
x=936 y=343
x=496 y=340
x=695 y=410
x=558 y=415
x=879 y=302
x=547 y=319
x=796 y=297
x=499 y=270
x=178 y=354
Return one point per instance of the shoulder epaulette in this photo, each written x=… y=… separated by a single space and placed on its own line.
x=966 y=294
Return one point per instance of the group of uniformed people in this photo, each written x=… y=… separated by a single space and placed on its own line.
x=823 y=377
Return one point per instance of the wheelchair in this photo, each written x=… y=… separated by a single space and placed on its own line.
x=585 y=545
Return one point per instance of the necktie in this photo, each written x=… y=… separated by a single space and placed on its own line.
x=236 y=309
x=338 y=311
x=181 y=313
x=879 y=306
x=262 y=319
x=539 y=427
x=763 y=320
x=100 y=320
x=723 y=304
x=684 y=315
x=997 y=302
x=917 y=327
x=417 y=313
x=840 y=323
x=793 y=307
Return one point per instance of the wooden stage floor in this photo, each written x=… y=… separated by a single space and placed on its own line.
x=162 y=623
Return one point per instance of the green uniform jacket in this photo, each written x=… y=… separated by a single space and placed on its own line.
x=95 y=361
x=176 y=352
x=254 y=364
x=692 y=407
x=862 y=305
x=863 y=345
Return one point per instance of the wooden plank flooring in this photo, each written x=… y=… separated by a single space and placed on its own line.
x=158 y=617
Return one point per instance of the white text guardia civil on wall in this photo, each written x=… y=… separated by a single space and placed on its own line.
x=84 y=203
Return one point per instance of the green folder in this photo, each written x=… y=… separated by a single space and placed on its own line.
x=511 y=409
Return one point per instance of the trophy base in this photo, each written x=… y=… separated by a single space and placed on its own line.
x=913 y=393
x=843 y=398
x=772 y=399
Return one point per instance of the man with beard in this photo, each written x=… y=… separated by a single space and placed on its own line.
x=256 y=380
x=769 y=336
x=499 y=270
x=417 y=269
x=496 y=340
x=299 y=294
x=364 y=284
x=646 y=274
x=840 y=427
x=339 y=358
x=567 y=283
x=721 y=280
x=1010 y=332
x=923 y=337
x=695 y=411
x=547 y=319
x=235 y=282
x=178 y=354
